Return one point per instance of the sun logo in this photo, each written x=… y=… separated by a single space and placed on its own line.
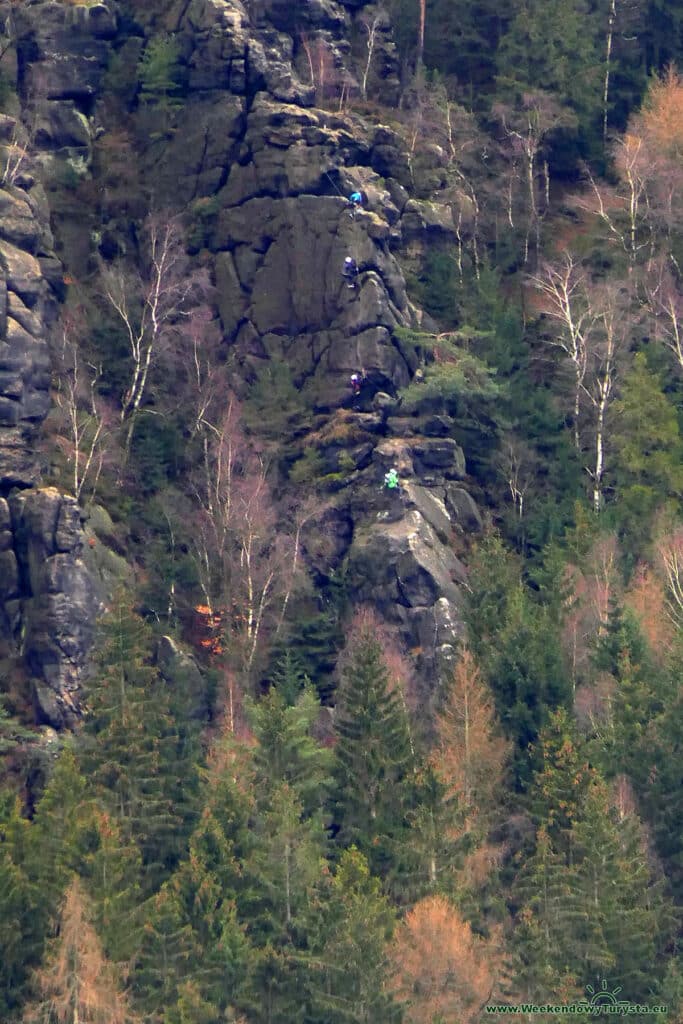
x=603 y=995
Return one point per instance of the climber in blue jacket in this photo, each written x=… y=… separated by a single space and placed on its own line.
x=356 y=201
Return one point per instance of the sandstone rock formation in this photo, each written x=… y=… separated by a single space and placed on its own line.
x=48 y=601
x=275 y=167
x=56 y=598
x=259 y=158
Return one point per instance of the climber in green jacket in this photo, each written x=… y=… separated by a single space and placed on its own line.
x=391 y=481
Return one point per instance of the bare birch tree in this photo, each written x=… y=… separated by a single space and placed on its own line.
x=564 y=295
x=592 y=328
x=371 y=24
x=249 y=564
x=669 y=549
x=517 y=464
x=602 y=381
x=665 y=305
x=84 y=412
x=527 y=129
x=152 y=304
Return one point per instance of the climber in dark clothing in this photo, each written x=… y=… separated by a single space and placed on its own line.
x=350 y=271
x=355 y=382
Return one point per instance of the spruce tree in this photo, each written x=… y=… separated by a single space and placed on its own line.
x=639 y=694
x=24 y=918
x=351 y=922
x=663 y=759
x=287 y=862
x=110 y=870
x=168 y=954
x=527 y=675
x=550 y=45
x=137 y=760
x=374 y=762
x=648 y=451
x=287 y=751
x=429 y=855
x=193 y=925
x=544 y=924
x=621 y=920
x=561 y=780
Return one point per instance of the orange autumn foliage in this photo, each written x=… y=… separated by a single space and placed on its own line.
x=470 y=755
x=439 y=968
x=647 y=600
x=661 y=120
x=78 y=984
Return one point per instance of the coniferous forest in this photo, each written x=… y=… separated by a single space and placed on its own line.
x=261 y=801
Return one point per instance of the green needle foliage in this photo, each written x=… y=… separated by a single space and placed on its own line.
x=374 y=770
x=134 y=753
x=287 y=750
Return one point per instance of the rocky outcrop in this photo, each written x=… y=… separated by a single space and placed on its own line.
x=47 y=600
x=50 y=602
x=27 y=305
x=62 y=53
x=266 y=175
x=260 y=160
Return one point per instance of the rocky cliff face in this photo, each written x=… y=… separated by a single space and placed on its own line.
x=251 y=147
x=277 y=168
x=48 y=598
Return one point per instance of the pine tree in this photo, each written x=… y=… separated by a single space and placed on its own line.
x=374 y=761
x=159 y=72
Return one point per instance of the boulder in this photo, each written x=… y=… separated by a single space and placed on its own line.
x=463 y=509
x=181 y=671
x=442 y=454
x=58 y=599
x=431 y=507
x=404 y=563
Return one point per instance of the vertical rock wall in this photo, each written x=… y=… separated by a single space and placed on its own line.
x=48 y=601
x=275 y=168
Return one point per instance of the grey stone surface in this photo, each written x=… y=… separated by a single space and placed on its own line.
x=58 y=599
